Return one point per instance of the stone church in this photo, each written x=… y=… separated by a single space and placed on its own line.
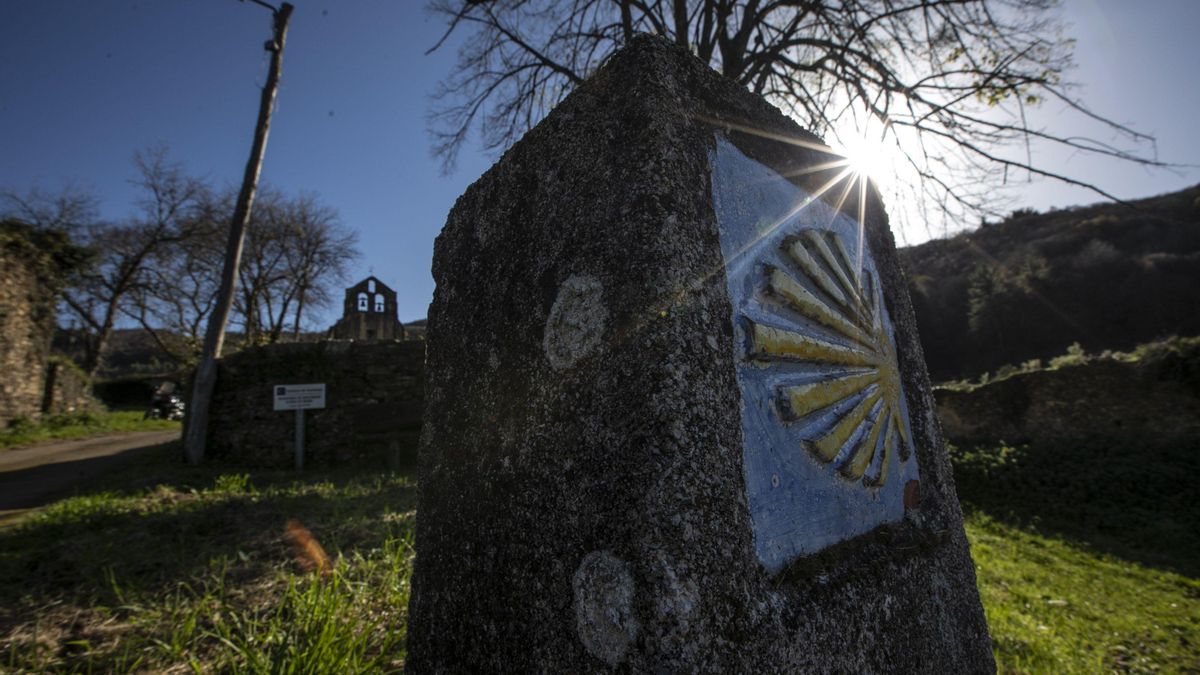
x=369 y=313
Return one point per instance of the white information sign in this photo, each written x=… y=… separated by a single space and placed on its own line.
x=299 y=396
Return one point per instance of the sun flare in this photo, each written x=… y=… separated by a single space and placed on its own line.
x=865 y=156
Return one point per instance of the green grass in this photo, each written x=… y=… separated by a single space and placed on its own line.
x=168 y=568
x=1055 y=607
x=23 y=431
x=190 y=568
x=1087 y=554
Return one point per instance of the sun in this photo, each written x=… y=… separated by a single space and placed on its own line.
x=866 y=156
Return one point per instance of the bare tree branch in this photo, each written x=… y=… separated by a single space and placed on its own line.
x=947 y=82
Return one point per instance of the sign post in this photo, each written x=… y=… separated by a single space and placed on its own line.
x=299 y=397
x=300 y=439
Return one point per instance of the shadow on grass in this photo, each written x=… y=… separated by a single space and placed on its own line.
x=150 y=529
x=1138 y=501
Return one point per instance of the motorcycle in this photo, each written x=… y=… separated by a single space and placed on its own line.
x=170 y=407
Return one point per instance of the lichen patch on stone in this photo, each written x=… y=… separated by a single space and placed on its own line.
x=604 y=621
x=576 y=323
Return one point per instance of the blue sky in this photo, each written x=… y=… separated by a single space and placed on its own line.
x=85 y=83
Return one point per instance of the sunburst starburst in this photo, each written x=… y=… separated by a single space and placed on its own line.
x=853 y=416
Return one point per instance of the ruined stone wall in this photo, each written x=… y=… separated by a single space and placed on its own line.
x=1149 y=401
x=67 y=389
x=374 y=396
x=26 y=325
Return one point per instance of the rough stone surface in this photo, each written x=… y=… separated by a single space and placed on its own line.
x=24 y=337
x=373 y=393
x=583 y=501
x=67 y=390
x=31 y=384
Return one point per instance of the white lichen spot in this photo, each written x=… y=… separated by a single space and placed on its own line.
x=604 y=620
x=576 y=324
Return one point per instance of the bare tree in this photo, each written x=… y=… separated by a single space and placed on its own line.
x=161 y=267
x=947 y=83
x=179 y=285
x=123 y=252
x=295 y=249
x=263 y=265
x=318 y=251
x=69 y=210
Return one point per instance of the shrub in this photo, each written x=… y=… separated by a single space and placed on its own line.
x=1075 y=356
x=20 y=425
x=1006 y=370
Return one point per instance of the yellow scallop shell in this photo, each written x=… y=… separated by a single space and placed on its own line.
x=862 y=387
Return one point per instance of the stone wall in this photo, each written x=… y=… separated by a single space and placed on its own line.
x=374 y=398
x=1156 y=400
x=27 y=301
x=67 y=389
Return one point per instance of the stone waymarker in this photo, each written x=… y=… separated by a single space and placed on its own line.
x=677 y=415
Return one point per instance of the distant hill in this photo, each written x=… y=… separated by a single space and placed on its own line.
x=416 y=329
x=1106 y=276
x=130 y=352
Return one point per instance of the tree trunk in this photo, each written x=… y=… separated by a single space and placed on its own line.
x=681 y=23
x=196 y=432
x=299 y=310
x=94 y=348
x=626 y=21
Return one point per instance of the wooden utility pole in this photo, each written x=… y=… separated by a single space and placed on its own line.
x=196 y=431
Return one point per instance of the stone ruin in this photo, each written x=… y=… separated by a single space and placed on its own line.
x=34 y=382
x=677 y=415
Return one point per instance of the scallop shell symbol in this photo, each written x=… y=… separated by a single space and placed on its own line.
x=862 y=393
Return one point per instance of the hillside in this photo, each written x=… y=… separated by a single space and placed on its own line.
x=1106 y=276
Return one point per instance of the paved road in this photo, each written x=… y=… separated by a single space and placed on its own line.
x=36 y=475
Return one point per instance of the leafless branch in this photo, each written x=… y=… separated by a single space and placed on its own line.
x=948 y=82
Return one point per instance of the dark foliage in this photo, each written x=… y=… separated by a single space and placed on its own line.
x=1107 y=276
x=1120 y=497
x=55 y=257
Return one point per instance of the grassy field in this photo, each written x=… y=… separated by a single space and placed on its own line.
x=77 y=425
x=1055 y=607
x=1087 y=554
x=181 y=570
x=172 y=569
